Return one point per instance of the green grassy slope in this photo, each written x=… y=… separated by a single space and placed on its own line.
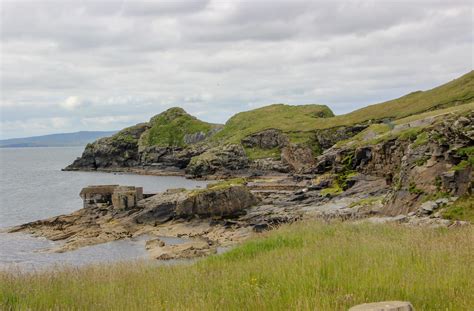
x=305 y=266
x=384 y=131
x=169 y=128
x=458 y=91
x=317 y=117
x=278 y=116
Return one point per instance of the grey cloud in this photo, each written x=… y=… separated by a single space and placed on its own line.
x=127 y=60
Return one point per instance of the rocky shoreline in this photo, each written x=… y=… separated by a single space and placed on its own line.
x=222 y=215
x=407 y=169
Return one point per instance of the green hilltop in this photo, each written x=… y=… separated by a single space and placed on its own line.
x=167 y=129
x=278 y=116
x=170 y=127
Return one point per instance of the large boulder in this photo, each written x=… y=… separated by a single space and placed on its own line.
x=220 y=201
x=298 y=158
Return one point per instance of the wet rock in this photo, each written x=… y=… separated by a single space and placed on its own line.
x=154 y=243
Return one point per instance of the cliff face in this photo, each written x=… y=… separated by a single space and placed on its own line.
x=119 y=150
x=422 y=160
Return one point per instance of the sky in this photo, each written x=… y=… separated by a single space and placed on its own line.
x=104 y=65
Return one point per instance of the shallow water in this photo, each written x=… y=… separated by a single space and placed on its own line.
x=32 y=187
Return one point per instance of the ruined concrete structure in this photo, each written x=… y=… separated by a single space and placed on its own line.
x=121 y=197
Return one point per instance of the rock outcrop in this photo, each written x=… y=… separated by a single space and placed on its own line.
x=117 y=151
x=297 y=157
x=266 y=139
x=416 y=162
x=224 y=159
x=229 y=201
x=168 y=141
x=326 y=138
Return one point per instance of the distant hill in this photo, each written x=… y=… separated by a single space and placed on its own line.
x=56 y=140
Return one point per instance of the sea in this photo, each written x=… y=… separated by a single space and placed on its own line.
x=33 y=187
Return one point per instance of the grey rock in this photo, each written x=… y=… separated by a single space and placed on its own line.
x=429 y=206
x=384 y=306
x=218 y=159
x=267 y=139
x=226 y=202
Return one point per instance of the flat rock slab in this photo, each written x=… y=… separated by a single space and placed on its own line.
x=384 y=306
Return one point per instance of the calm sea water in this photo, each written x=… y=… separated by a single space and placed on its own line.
x=32 y=187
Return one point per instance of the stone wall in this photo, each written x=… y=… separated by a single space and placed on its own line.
x=120 y=197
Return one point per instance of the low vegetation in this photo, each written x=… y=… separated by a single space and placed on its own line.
x=462 y=209
x=220 y=185
x=304 y=266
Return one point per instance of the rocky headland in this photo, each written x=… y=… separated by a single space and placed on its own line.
x=407 y=161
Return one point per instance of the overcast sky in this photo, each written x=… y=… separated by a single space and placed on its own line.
x=104 y=65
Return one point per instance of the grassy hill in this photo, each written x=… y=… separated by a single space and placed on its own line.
x=170 y=127
x=304 y=266
x=279 y=116
x=456 y=92
x=293 y=119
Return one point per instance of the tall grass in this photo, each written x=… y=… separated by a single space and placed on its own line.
x=305 y=266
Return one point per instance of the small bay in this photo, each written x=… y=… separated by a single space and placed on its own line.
x=32 y=187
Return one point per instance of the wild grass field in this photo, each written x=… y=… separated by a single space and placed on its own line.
x=304 y=266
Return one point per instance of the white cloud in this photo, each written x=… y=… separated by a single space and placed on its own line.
x=71 y=103
x=112 y=120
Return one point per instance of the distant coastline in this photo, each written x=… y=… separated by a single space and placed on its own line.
x=75 y=139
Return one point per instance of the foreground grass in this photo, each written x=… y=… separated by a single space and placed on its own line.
x=306 y=266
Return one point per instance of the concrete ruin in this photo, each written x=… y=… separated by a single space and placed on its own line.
x=120 y=197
